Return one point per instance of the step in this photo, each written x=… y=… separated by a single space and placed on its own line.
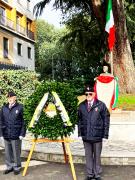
x=113 y=153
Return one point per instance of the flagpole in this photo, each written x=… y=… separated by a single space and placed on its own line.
x=110 y=29
x=111 y=61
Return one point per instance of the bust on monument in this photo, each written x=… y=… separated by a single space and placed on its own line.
x=105 y=71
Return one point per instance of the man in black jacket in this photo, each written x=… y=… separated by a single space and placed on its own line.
x=12 y=129
x=93 y=126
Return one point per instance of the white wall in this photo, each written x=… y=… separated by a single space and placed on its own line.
x=23 y=60
x=22 y=8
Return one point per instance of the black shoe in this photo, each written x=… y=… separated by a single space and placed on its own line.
x=16 y=172
x=88 y=178
x=7 y=171
x=98 y=178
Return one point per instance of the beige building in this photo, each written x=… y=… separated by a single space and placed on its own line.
x=17 y=33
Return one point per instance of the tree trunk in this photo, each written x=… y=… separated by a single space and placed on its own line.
x=98 y=11
x=122 y=56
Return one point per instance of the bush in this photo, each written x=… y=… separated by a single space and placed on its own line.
x=22 y=82
x=52 y=128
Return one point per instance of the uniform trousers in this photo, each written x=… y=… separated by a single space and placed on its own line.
x=93 y=158
x=13 y=154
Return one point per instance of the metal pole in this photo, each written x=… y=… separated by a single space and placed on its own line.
x=53 y=72
x=52 y=69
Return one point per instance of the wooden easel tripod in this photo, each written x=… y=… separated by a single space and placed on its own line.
x=66 y=149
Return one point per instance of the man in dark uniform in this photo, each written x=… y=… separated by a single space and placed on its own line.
x=12 y=129
x=93 y=126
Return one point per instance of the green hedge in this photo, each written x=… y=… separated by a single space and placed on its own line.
x=22 y=82
x=52 y=128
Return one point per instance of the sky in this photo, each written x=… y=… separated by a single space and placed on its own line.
x=50 y=14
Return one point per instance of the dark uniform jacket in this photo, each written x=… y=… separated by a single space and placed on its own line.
x=93 y=125
x=11 y=122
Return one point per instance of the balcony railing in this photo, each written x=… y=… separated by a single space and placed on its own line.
x=30 y=34
x=11 y=66
x=6 y=22
x=20 y=29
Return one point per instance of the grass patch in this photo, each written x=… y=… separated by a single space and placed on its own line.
x=126 y=102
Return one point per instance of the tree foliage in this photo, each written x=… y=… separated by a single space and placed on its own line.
x=83 y=33
x=71 y=52
x=47 y=38
x=22 y=82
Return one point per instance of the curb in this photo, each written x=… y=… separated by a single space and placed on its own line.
x=78 y=158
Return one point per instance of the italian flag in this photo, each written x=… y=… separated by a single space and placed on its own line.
x=110 y=26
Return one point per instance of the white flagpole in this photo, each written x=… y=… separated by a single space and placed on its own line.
x=111 y=61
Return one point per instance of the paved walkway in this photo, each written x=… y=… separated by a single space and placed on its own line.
x=59 y=171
